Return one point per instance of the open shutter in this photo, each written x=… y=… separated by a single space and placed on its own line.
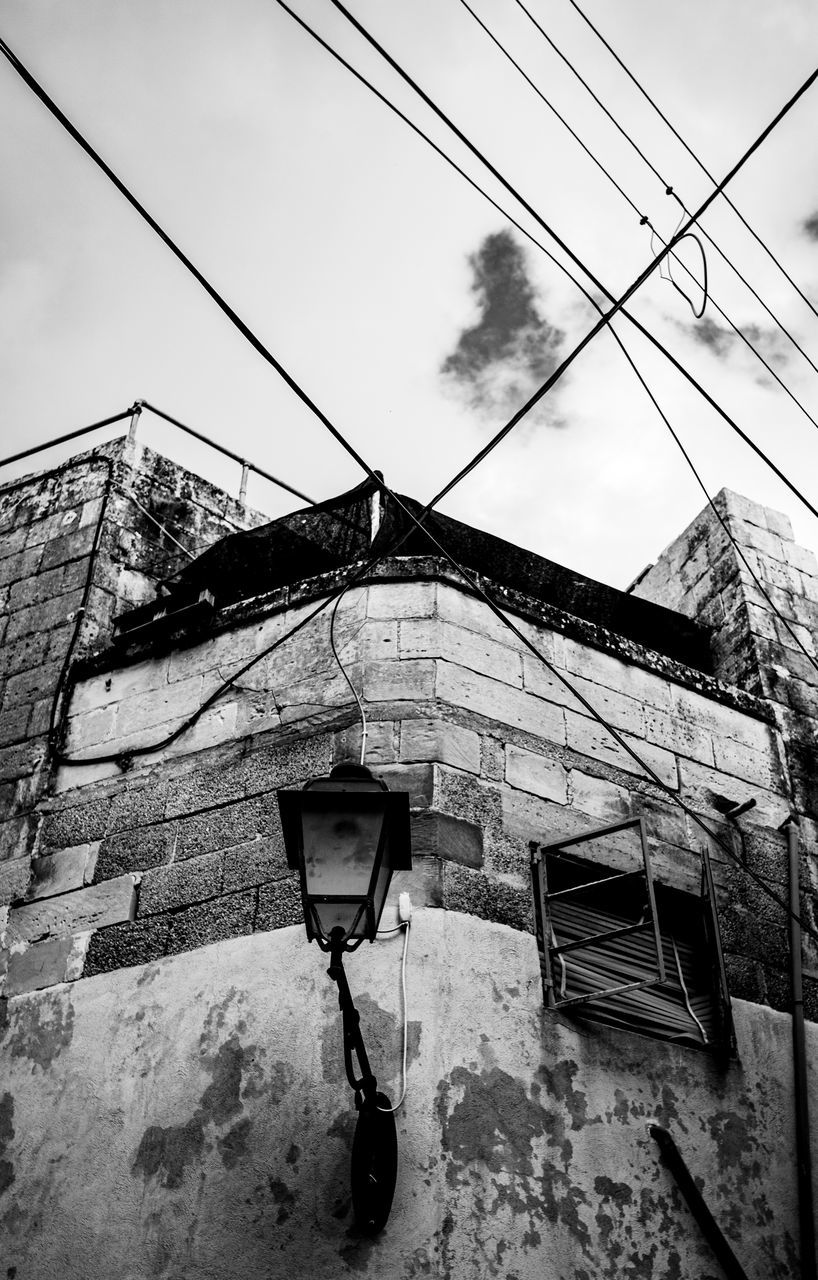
x=718 y=973
x=597 y=929
x=617 y=949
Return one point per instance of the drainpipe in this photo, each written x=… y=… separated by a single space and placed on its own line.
x=799 y=1054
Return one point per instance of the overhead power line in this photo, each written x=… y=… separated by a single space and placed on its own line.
x=617 y=304
x=736 y=545
x=693 y=156
x=416 y=521
x=233 y=317
x=670 y=191
x=302 y=395
x=614 y=733
x=643 y=218
x=561 y=266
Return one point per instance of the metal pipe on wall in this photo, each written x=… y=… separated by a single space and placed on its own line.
x=799 y=1054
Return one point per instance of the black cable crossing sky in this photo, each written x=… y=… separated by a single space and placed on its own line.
x=693 y=156
x=645 y=220
x=224 y=306
x=617 y=304
x=298 y=390
x=579 y=285
x=670 y=191
x=74 y=133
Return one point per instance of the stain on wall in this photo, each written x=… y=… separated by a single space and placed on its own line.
x=42 y=1029
x=205 y=1139
x=6 y=1136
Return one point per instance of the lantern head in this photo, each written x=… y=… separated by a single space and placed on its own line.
x=345 y=834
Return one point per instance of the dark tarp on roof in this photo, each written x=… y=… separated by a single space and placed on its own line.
x=332 y=534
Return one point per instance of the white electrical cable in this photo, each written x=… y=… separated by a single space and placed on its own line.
x=685 y=994
x=406 y=924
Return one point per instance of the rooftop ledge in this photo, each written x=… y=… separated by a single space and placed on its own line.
x=193 y=624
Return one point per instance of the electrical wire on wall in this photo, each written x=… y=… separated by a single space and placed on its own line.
x=592 y=711
x=59 y=701
x=345 y=673
x=405 y=912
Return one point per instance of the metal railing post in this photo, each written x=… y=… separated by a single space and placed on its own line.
x=135 y=413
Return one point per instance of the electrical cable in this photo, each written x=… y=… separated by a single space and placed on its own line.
x=133 y=498
x=685 y=993
x=644 y=220
x=406 y=925
x=670 y=191
x=224 y=306
x=256 y=343
x=125 y=758
x=651 y=774
x=736 y=545
x=697 y=315
x=302 y=395
x=58 y=703
x=693 y=155
x=617 y=303
x=345 y=673
x=669 y=277
x=523 y=230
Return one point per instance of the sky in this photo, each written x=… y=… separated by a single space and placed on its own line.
x=411 y=310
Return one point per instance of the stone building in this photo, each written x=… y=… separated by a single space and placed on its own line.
x=173 y=1100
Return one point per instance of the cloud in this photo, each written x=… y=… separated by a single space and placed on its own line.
x=718 y=338
x=501 y=360
x=723 y=341
x=810 y=226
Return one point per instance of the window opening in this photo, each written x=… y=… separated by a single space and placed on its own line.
x=616 y=947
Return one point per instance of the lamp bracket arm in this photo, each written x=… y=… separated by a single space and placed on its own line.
x=365 y=1085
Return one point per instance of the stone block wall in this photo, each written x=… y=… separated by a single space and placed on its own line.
x=739 y=568
x=77 y=546
x=492 y=746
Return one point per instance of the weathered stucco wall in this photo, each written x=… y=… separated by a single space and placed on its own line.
x=191 y=1119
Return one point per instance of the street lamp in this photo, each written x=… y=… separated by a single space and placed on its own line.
x=346 y=834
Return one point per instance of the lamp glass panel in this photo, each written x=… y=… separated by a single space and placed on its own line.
x=339 y=850
x=334 y=915
x=381 y=887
